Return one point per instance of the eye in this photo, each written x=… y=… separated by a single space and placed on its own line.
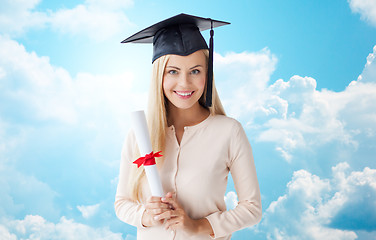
x=195 y=72
x=173 y=72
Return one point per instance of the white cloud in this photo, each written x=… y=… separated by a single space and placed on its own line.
x=32 y=80
x=21 y=194
x=366 y=9
x=315 y=208
x=88 y=211
x=252 y=72
x=293 y=114
x=369 y=71
x=130 y=237
x=231 y=200
x=5 y=234
x=2 y=73
x=36 y=227
x=313 y=117
x=47 y=93
x=17 y=15
x=96 y=19
x=37 y=100
x=110 y=4
x=35 y=96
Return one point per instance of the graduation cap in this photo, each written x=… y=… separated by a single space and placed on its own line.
x=180 y=35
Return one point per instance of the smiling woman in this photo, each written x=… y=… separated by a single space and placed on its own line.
x=200 y=145
x=65 y=89
x=184 y=80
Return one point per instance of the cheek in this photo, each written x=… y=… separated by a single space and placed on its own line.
x=166 y=84
x=201 y=83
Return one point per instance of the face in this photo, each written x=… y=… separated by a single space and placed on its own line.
x=184 y=79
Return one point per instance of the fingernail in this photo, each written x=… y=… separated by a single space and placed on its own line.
x=156 y=218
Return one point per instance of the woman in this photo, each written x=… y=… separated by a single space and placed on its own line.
x=199 y=143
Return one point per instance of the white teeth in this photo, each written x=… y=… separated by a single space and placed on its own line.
x=184 y=94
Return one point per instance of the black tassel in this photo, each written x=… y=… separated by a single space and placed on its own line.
x=209 y=86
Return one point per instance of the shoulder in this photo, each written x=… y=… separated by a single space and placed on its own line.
x=225 y=122
x=229 y=126
x=129 y=139
x=129 y=145
x=224 y=126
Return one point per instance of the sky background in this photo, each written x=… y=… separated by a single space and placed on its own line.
x=299 y=75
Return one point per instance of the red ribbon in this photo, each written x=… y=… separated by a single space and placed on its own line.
x=148 y=160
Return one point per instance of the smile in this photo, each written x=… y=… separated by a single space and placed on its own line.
x=184 y=93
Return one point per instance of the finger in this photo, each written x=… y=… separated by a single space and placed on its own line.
x=153 y=199
x=157 y=211
x=172 y=224
x=172 y=202
x=157 y=205
x=173 y=220
x=169 y=195
x=166 y=215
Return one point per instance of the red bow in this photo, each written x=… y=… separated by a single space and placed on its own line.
x=148 y=160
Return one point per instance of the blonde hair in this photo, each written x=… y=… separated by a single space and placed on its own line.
x=157 y=120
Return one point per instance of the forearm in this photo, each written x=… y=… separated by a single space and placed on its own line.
x=128 y=211
x=203 y=227
x=145 y=221
x=244 y=215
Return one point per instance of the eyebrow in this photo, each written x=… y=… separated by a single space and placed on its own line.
x=179 y=68
x=173 y=67
x=196 y=66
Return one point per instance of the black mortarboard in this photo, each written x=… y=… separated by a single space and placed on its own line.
x=180 y=35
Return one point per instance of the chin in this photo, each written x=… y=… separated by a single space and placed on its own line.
x=184 y=106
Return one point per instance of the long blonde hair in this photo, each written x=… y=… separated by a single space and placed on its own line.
x=157 y=120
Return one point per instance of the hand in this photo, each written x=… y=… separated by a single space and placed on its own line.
x=176 y=218
x=153 y=208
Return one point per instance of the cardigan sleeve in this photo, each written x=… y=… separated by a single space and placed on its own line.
x=248 y=211
x=126 y=209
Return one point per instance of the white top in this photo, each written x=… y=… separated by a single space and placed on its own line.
x=197 y=171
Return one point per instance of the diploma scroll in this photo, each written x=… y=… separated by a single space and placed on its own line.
x=143 y=140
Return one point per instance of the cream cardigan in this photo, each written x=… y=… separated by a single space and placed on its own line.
x=197 y=171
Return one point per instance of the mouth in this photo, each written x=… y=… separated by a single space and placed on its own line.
x=184 y=94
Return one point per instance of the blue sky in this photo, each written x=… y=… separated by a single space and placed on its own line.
x=299 y=75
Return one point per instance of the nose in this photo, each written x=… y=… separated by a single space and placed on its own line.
x=184 y=80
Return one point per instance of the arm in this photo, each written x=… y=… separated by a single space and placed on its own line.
x=176 y=218
x=126 y=209
x=243 y=171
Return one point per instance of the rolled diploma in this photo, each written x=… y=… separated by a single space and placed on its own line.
x=141 y=132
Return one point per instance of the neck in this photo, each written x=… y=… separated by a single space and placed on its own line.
x=186 y=117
